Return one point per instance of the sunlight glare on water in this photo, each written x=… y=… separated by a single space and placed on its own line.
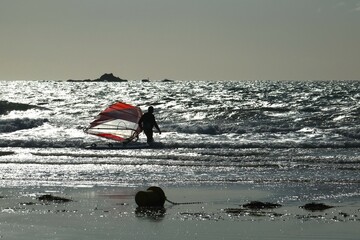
x=304 y=133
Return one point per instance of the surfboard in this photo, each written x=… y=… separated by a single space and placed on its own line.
x=117 y=146
x=111 y=146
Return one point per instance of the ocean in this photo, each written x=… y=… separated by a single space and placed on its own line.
x=303 y=134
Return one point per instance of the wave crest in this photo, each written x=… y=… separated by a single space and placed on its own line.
x=12 y=125
x=6 y=107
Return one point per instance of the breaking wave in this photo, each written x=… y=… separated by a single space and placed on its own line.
x=6 y=107
x=12 y=125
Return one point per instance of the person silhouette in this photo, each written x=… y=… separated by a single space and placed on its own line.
x=147 y=122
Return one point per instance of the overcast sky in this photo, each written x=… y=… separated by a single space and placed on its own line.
x=180 y=39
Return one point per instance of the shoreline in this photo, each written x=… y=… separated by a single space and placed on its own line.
x=111 y=213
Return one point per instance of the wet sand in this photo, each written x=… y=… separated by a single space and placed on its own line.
x=111 y=213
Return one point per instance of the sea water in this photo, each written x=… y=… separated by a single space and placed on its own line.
x=274 y=133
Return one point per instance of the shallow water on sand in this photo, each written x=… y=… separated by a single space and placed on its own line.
x=111 y=213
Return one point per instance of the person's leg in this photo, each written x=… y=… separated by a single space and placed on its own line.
x=149 y=135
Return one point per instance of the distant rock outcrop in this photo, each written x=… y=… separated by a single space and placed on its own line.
x=107 y=77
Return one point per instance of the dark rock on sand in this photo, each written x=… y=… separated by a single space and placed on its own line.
x=51 y=198
x=152 y=197
x=316 y=206
x=261 y=205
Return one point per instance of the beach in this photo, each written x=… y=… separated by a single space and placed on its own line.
x=223 y=146
x=212 y=212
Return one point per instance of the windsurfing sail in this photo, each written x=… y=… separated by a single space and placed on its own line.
x=118 y=122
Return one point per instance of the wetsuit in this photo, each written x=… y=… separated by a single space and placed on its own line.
x=147 y=122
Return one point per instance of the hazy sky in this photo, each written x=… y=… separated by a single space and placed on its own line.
x=180 y=39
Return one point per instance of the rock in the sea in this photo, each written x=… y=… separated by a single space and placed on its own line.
x=109 y=77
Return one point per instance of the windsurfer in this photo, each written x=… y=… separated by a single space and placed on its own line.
x=147 y=122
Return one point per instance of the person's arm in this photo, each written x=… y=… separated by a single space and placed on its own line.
x=140 y=122
x=156 y=126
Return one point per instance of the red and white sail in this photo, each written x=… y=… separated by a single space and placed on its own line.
x=117 y=122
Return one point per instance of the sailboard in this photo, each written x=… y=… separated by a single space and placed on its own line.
x=117 y=122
